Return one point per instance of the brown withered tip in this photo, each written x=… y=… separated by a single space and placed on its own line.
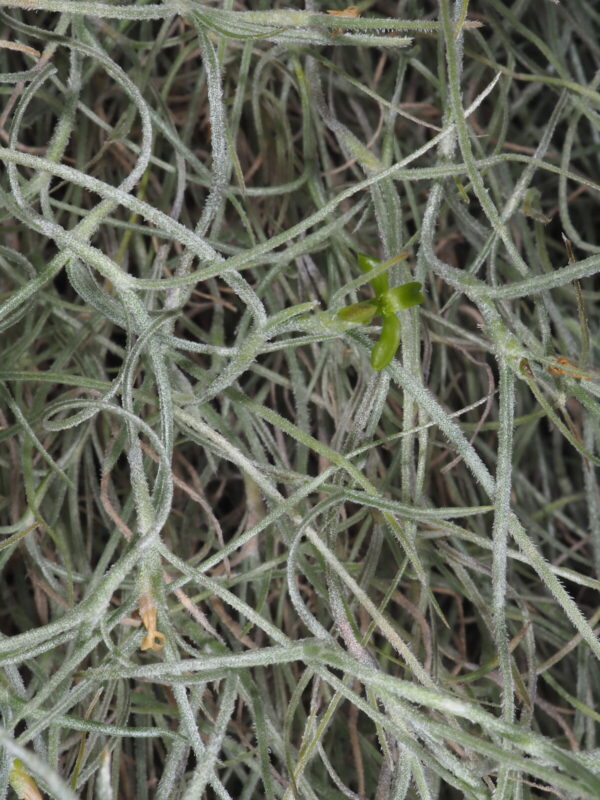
x=567 y=368
x=154 y=639
x=525 y=368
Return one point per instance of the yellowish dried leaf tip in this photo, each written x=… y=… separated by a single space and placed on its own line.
x=22 y=783
x=351 y=11
x=153 y=640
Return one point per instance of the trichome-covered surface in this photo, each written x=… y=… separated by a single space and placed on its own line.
x=236 y=562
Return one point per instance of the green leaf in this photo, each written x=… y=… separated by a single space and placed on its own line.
x=385 y=348
x=362 y=312
x=367 y=263
x=400 y=297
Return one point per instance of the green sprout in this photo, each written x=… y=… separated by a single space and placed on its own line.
x=385 y=304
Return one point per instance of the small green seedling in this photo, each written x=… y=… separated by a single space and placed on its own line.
x=385 y=304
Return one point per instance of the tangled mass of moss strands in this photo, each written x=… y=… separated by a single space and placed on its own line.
x=299 y=400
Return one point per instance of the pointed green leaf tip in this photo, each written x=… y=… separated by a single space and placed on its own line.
x=404 y=296
x=380 y=282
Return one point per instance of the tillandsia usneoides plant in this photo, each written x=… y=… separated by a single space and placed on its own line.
x=280 y=519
